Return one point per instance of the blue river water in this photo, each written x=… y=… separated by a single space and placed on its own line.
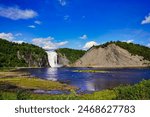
x=89 y=82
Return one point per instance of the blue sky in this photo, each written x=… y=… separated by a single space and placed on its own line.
x=75 y=24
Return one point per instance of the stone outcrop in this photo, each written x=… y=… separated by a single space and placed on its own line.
x=33 y=60
x=110 y=56
x=62 y=60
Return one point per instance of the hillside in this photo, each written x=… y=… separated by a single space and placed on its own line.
x=115 y=54
x=21 y=55
x=68 y=56
x=134 y=49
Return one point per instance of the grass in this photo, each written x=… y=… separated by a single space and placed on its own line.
x=6 y=69
x=101 y=95
x=91 y=71
x=140 y=91
x=10 y=74
x=20 y=88
x=35 y=83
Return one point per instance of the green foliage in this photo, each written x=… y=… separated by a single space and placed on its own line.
x=135 y=49
x=1 y=96
x=7 y=69
x=23 y=94
x=34 y=83
x=19 y=55
x=71 y=54
x=91 y=71
x=139 y=91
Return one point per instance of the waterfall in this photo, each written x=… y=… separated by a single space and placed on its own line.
x=52 y=58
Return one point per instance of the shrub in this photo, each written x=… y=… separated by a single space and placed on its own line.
x=23 y=94
x=139 y=91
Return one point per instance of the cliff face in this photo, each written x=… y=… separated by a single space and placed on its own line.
x=62 y=60
x=33 y=59
x=68 y=56
x=22 y=55
x=110 y=56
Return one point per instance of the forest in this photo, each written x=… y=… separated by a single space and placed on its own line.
x=20 y=55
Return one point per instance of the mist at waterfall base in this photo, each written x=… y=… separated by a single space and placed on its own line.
x=53 y=59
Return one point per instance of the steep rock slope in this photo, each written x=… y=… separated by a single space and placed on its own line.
x=110 y=56
x=68 y=56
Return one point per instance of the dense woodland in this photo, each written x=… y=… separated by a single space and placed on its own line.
x=134 y=49
x=71 y=54
x=19 y=55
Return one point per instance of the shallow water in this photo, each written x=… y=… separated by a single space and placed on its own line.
x=89 y=82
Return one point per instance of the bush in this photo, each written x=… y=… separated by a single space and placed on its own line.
x=1 y=95
x=139 y=91
x=23 y=94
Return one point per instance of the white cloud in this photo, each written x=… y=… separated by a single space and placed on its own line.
x=128 y=41
x=84 y=37
x=148 y=45
x=32 y=26
x=47 y=44
x=90 y=44
x=11 y=37
x=146 y=20
x=62 y=2
x=7 y=36
x=38 y=22
x=15 y=13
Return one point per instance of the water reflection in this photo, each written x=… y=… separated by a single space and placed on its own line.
x=52 y=74
x=92 y=81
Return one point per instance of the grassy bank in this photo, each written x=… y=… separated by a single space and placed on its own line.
x=19 y=86
x=140 y=91
x=91 y=71
x=7 y=69
x=35 y=84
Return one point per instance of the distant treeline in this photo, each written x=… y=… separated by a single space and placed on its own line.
x=71 y=54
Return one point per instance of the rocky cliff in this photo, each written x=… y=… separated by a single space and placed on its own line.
x=62 y=60
x=22 y=55
x=68 y=56
x=110 y=55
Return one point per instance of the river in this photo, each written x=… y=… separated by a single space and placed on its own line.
x=90 y=82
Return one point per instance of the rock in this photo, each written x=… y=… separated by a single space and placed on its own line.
x=110 y=56
x=62 y=60
x=33 y=60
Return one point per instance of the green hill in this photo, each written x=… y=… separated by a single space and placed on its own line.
x=71 y=54
x=21 y=55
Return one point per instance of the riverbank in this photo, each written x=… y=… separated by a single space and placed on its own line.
x=13 y=81
x=14 y=86
x=140 y=91
x=116 y=67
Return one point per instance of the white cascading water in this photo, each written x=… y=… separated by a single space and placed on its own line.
x=52 y=58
